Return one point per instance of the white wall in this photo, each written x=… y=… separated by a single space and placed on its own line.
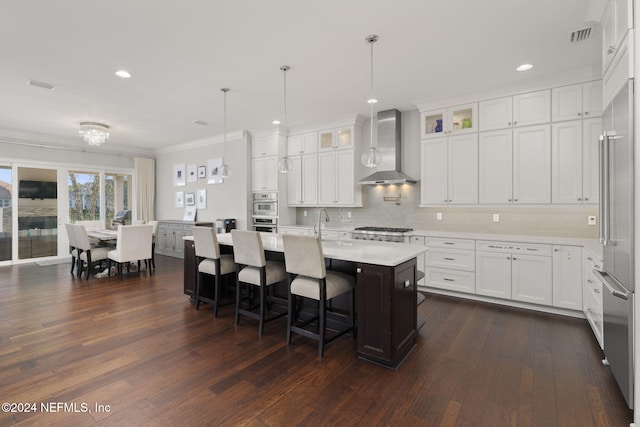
x=227 y=200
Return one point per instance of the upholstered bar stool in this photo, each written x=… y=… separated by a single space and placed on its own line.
x=254 y=270
x=211 y=263
x=309 y=278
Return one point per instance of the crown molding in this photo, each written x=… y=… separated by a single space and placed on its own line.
x=204 y=142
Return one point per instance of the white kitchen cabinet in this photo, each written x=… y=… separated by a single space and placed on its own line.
x=336 y=178
x=301 y=231
x=306 y=143
x=576 y=101
x=519 y=271
x=496 y=113
x=574 y=169
x=337 y=138
x=515 y=166
x=531 y=279
x=495 y=167
x=592 y=294
x=264 y=146
x=493 y=274
x=449 y=170
x=264 y=173
x=302 y=180
x=450 y=264
x=460 y=119
x=616 y=21
x=532 y=108
x=567 y=277
x=532 y=165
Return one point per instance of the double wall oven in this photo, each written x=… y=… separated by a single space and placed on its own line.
x=265 y=212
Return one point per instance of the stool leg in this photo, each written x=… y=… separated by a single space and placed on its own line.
x=198 y=285
x=216 y=292
x=290 y=311
x=238 y=302
x=322 y=306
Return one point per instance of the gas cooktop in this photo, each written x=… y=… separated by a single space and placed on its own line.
x=384 y=229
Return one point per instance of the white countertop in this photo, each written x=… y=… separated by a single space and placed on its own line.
x=379 y=253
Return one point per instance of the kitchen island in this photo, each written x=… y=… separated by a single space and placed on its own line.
x=386 y=290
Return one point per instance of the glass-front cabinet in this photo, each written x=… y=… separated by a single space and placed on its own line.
x=332 y=139
x=450 y=121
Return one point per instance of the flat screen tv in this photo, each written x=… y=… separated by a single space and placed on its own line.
x=37 y=190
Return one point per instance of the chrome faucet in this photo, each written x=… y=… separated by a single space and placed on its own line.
x=326 y=215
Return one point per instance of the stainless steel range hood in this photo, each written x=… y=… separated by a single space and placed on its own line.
x=389 y=136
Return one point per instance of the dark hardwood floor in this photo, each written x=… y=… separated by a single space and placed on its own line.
x=139 y=346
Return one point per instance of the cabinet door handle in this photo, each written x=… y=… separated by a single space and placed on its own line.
x=579 y=199
x=579 y=114
x=509 y=124
x=589 y=281
x=515 y=200
x=611 y=49
x=515 y=123
x=586 y=113
x=509 y=199
x=597 y=291
x=514 y=258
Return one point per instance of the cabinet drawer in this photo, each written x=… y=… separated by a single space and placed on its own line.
x=593 y=313
x=494 y=246
x=437 y=242
x=593 y=286
x=451 y=258
x=592 y=263
x=453 y=280
x=532 y=249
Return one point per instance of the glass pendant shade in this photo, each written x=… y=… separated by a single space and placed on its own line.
x=371 y=158
x=285 y=165
x=225 y=169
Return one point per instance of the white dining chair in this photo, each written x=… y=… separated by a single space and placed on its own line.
x=88 y=254
x=133 y=244
x=73 y=246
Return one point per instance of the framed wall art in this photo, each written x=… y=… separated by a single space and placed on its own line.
x=192 y=171
x=214 y=175
x=178 y=175
x=179 y=199
x=191 y=199
x=202 y=172
x=201 y=199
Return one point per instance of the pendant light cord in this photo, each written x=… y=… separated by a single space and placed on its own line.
x=225 y=90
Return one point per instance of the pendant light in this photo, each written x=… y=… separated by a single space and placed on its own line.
x=285 y=164
x=225 y=169
x=370 y=158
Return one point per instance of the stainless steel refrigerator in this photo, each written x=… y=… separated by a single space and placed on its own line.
x=616 y=235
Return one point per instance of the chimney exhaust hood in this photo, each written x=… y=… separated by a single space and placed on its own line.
x=389 y=136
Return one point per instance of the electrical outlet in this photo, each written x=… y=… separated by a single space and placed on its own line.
x=348 y=214
x=304 y=213
x=591 y=220
x=439 y=216
x=496 y=217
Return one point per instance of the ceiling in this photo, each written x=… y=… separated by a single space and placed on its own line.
x=182 y=53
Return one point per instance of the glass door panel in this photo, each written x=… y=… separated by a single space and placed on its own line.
x=117 y=189
x=37 y=212
x=6 y=213
x=84 y=199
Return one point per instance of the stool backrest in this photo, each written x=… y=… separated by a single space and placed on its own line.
x=206 y=242
x=247 y=248
x=303 y=255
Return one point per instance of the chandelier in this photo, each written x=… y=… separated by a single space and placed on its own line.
x=94 y=133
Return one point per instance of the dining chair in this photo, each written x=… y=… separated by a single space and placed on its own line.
x=88 y=254
x=133 y=244
x=154 y=224
x=211 y=263
x=309 y=278
x=73 y=246
x=254 y=270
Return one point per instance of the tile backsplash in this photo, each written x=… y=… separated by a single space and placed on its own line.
x=398 y=206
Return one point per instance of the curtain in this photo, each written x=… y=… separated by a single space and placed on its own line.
x=145 y=188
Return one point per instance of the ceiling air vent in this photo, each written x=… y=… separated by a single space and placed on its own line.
x=42 y=85
x=579 y=35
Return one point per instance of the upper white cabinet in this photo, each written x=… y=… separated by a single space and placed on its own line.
x=616 y=21
x=449 y=121
x=336 y=178
x=576 y=101
x=450 y=170
x=511 y=111
x=574 y=170
x=515 y=166
x=264 y=146
x=264 y=173
x=305 y=143
x=332 y=139
x=303 y=180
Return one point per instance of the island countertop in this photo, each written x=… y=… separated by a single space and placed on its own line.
x=388 y=254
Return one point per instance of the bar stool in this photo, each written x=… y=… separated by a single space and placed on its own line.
x=253 y=269
x=211 y=263
x=308 y=278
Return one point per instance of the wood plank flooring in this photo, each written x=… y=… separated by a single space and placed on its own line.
x=139 y=346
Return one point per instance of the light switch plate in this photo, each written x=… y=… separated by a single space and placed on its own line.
x=496 y=217
x=348 y=214
x=439 y=216
x=591 y=220
x=304 y=213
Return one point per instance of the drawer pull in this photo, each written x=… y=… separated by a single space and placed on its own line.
x=532 y=249
x=589 y=281
x=450 y=259
x=597 y=291
x=449 y=243
x=591 y=311
x=495 y=247
x=449 y=280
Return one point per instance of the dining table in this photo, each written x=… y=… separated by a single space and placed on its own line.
x=104 y=236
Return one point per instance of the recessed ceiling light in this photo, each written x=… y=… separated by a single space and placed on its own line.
x=524 y=67
x=123 y=73
x=275 y=122
x=200 y=122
